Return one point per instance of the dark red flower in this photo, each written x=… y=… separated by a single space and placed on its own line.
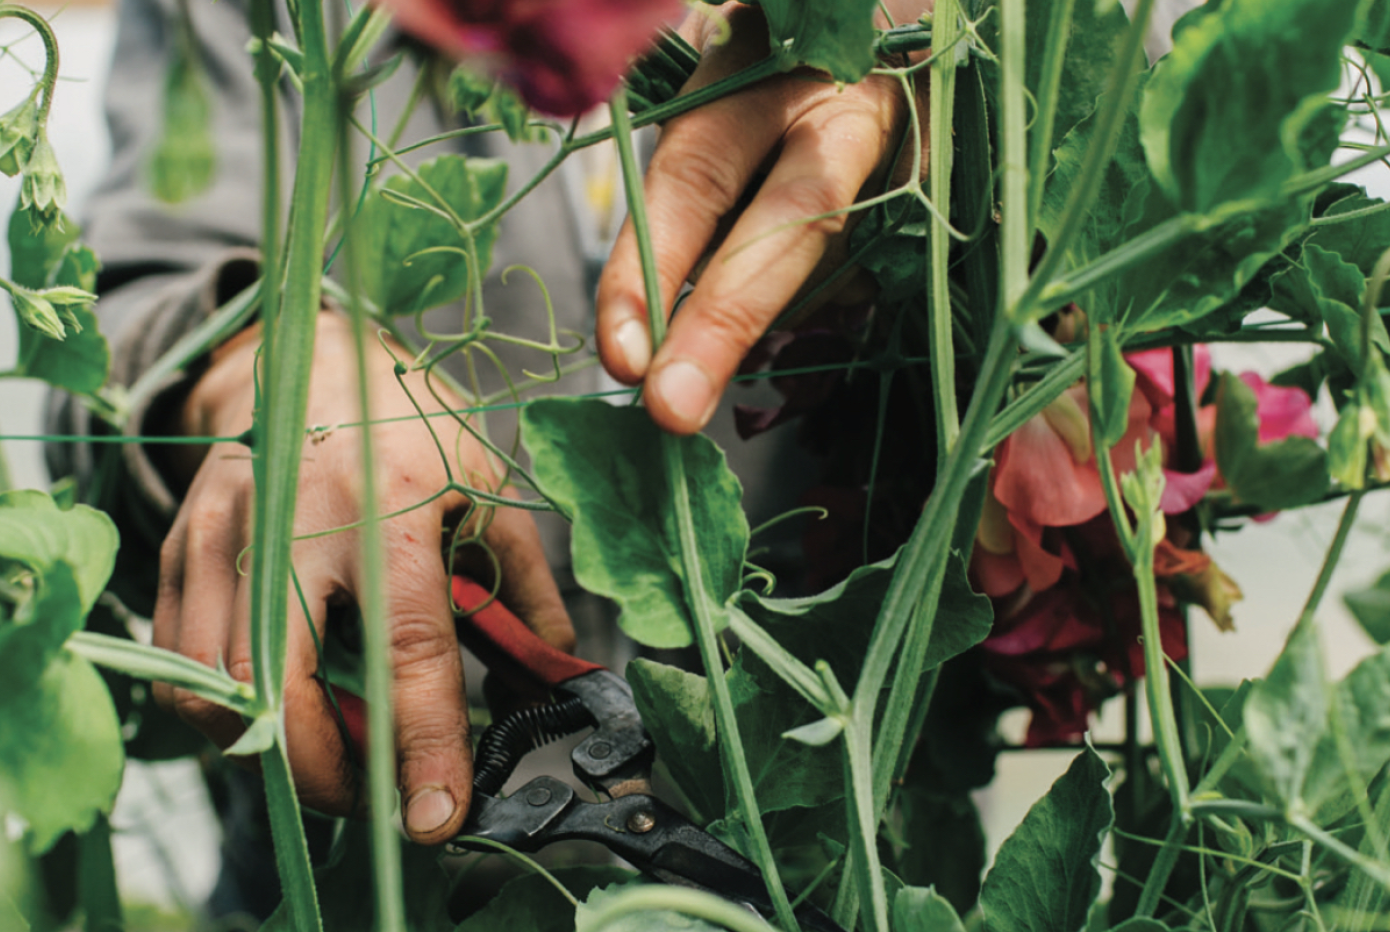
x=564 y=56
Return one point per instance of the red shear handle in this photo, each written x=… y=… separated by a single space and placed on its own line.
x=499 y=639
x=503 y=642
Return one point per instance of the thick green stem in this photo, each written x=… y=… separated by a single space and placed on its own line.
x=706 y=635
x=371 y=601
x=1160 y=697
x=1162 y=869
x=1049 y=91
x=864 y=819
x=287 y=358
x=946 y=23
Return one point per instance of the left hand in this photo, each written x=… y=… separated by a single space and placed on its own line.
x=739 y=178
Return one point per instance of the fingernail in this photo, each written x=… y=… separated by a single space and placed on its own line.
x=635 y=345
x=428 y=810
x=687 y=391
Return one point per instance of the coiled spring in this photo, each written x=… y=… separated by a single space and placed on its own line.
x=507 y=741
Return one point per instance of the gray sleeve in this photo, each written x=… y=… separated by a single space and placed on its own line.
x=164 y=268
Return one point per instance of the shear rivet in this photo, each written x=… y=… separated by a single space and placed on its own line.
x=600 y=750
x=538 y=796
x=640 y=823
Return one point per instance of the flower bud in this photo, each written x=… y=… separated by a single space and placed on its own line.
x=37 y=312
x=43 y=192
x=18 y=130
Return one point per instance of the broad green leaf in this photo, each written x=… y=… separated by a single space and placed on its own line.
x=1273 y=476
x=831 y=626
x=833 y=35
x=79 y=363
x=930 y=813
x=1371 y=608
x=32 y=634
x=1044 y=878
x=1140 y=924
x=647 y=921
x=35 y=532
x=1363 y=717
x=787 y=774
x=347 y=894
x=1373 y=25
x=532 y=904
x=677 y=711
x=36 y=254
x=1361 y=241
x=605 y=466
x=60 y=751
x=395 y=273
x=1224 y=111
x=894 y=237
x=1339 y=289
x=916 y=909
x=1097 y=32
x=1286 y=714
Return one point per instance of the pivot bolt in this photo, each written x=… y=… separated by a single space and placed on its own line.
x=538 y=796
x=641 y=822
x=600 y=749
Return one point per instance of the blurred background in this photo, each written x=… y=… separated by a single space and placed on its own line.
x=166 y=836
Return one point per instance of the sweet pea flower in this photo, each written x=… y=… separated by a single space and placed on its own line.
x=1282 y=411
x=564 y=56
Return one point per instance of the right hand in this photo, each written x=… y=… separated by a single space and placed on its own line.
x=203 y=606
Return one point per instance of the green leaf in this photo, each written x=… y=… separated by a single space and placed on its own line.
x=1338 y=289
x=924 y=910
x=60 y=742
x=816 y=734
x=677 y=712
x=1110 y=387
x=185 y=160
x=1371 y=608
x=830 y=627
x=80 y=363
x=395 y=273
x=1140 y=924
x=532 y=904
x=604 y=465
x=787 y=774
x=1346 y=447
x=34 y=531
x=346 y=892
x=645 y=921
x=1093 y=47
x=1286 y=714
x=1363 y=718
x=1044 y=878
x=38 y=624
x=36 y=254
x=1273 y=476
x=1224 y=111
x=833 y=35
x=1373 y=25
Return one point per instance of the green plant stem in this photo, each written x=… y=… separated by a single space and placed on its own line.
x=287 y=361
x=1109 y=122
x=50 y=49
x=1162 y=869
x=1157 y=691
x=863 y=820
x=706 y=636
x=152 y=663
x=942 y=147
x=1049 y=91
x=1340 y=849
x=388 y=885
x=1334 y=556
x=662 y=898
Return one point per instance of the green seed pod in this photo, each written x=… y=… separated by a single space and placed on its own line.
x=43 y=192
x=18 y=130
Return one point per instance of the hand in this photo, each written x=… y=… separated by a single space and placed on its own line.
x=203 y=603
x=754 y=166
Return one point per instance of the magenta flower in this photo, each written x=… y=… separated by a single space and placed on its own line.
x=564 y=56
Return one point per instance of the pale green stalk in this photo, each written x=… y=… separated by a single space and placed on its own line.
x=946 y=27
x=706 y=637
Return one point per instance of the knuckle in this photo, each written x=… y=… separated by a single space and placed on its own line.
x=420 y=644
x=241 y=670
x=817 y=205
x=192 y=708
x=702 y=176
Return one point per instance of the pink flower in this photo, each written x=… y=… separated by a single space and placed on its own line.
x=1283 y=412
x=564 y=56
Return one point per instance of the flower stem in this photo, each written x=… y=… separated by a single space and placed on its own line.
x=940 y=128
x=50 y=49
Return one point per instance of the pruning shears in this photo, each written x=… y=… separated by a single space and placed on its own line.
x=614 y=760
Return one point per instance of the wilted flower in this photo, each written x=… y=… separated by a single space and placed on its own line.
x=564 y=56
x=43 y=191
x=18 y=130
